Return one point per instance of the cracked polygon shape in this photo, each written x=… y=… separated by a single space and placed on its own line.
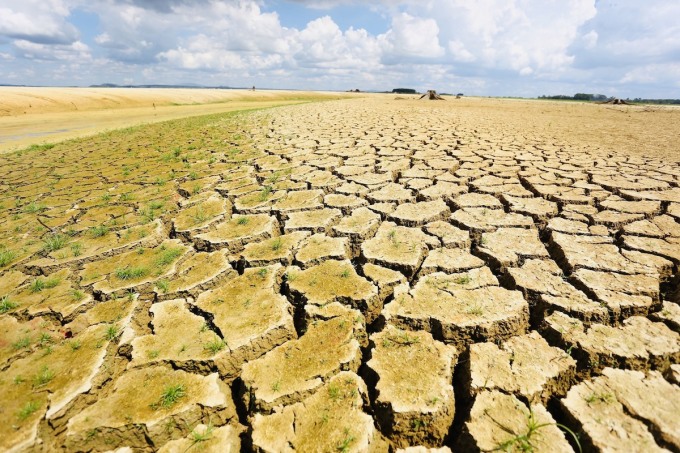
x=346 y=203
x=315 y=221
x=668 y=248
x=540 y=209
x=391 y=193
x=296 y=369
x=480 y=220
x=325 y=421
x=604 y=423
x=396 y=247
x=385 y=279
x=135 y=417
x=574 y=252
x=663 y=266
x=507 y=247
x=43 y=384
x=133 y=269
x=459 y=316
x=671 y=195
x=669 y=314
x=53 y=294
x=449 y=260
x=335 y=281
x=660 y=227
x=249 y=315
x=418 y=214
x=261 y=201
x=502 y=422
x=237 y=232
x=319 y=247
x=526 y=366
x=449 y=235
x=200 y=216
x=614 y=219
x=476 y=200
x=637 y=344
x=199 y=272
x=648 y=208
x=223 y=439
x=441 y=190
x=412 y=375
x=279 y=249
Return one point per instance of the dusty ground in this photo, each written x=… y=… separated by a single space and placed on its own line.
x=47 y=115
x=360 y=275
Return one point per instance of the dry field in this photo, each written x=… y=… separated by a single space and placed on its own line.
x=368 y=274
x=47 y=115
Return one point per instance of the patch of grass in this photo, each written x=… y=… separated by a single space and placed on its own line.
x=215 y=346
x=39 y=284
x=44 y=376
x=43 y=147
x=197 y=437
x=7 y=256
x=76 y=249
x=6 y=304
x=345 y=274
x=106 y=197
x=28 y=410
x=262 y=272
x=171 y=395
x=599 y=398
x=343 y=447
x=525 y=441
x=265 y=193
x=130 y=273
x=77 y=295
x=333 y=392
x=163 y=285
x=75 y=345
x=112 y=332
x=21 y=343
x=127 y=197
x=99 y=231
x=475 y=310
x=54 y=242
x=34 y=208
x=45 y=339
x=153 y=354
x=167 y=256
x=277 y=244
x=463 y=280
x=242 y=221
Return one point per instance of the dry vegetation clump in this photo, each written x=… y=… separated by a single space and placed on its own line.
x=361 y=275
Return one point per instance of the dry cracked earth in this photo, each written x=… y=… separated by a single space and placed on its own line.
x=361 y=275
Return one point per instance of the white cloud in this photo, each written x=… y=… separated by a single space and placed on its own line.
x=39 y=21
x=412 y=37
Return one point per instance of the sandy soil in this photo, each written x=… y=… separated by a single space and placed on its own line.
x=42 y=115
x=311 y=277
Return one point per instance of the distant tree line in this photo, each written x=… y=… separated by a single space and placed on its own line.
x=602 y=97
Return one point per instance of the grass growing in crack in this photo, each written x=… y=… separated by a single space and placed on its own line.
x=171 y=395
x=112 y=332
x=277 y=244
x=163 y=285
x=76 y=249
x=343 y=447
x=265 y=193
x=28 y=410
x=21 y=343
x=197 y=437
x=44 y=376
x=54 y=242
x=167 y=256
x=130 y=273
x=599 y=398
x=215 y=346
x=99 y=231
x=6 y=257
x=525 y=441
x=39 y=284
x=77 y=295
x=6 y=304
x=34 y=208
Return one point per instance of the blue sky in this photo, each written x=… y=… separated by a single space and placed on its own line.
x=623 y=48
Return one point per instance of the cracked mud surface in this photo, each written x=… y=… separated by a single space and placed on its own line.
x=359 y=275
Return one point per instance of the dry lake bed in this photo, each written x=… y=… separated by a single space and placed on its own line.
x=375 y=273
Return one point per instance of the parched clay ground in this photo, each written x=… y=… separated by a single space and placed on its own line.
x=360 y=275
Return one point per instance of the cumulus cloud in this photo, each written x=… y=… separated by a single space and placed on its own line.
x=37 y=21
x=487 y=46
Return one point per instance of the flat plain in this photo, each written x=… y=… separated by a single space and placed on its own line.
x=366 y=274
